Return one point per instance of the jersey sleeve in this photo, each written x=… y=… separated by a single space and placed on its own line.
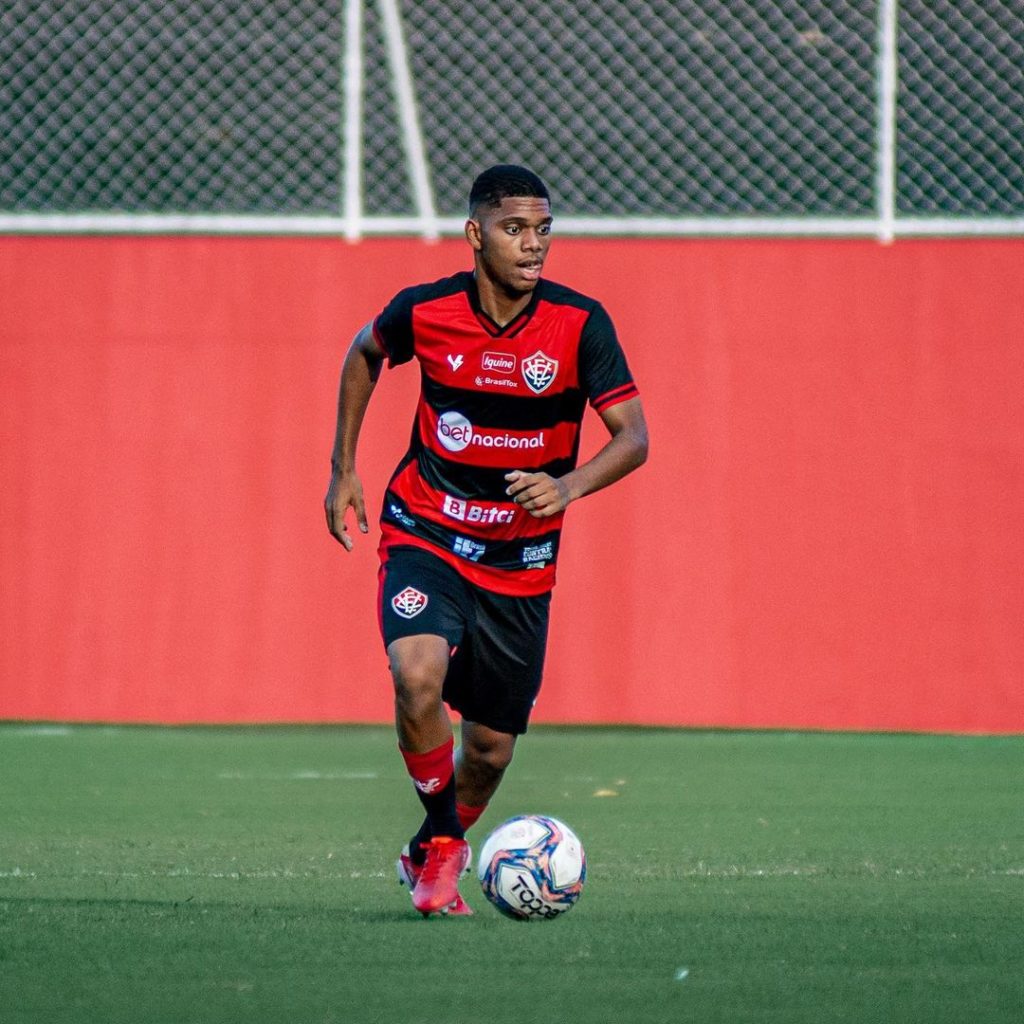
x=392 y=328
x=604 y=373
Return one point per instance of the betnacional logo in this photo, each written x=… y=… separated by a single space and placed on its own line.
x=454 y=431
x=409 y=603
x=456 y=434
x=470 y=512
x=498 y=362
x=539 y=371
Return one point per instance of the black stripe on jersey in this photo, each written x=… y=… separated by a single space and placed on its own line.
x=518 y=554
x=393 y=325
x=480 y=483
x=507 y=412
x=561 y=295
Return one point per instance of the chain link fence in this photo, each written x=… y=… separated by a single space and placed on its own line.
x=706 y=109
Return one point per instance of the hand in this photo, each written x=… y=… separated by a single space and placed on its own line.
x=539 y=494
x=345 y=490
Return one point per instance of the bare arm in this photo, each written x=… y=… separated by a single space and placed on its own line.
x=359 y=374
x=542 y=495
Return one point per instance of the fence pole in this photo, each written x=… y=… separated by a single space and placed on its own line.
x=405 y=96
x=353 y=130
x=888 y=26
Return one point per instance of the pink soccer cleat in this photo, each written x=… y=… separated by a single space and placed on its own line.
x=437 y=883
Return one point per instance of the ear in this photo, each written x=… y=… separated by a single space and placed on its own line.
x=474 y=235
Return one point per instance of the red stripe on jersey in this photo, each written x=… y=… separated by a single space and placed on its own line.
x=453 y=437
x=446 y=332
x=557 y=328
x=453 y=345
x=613 y=397
x=497 y=520
x=522 y=583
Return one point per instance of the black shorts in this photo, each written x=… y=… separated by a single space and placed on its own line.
x=498 y=641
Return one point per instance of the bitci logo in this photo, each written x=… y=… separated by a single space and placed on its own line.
x=409 y=603
x=539 y=371
x=469 y=512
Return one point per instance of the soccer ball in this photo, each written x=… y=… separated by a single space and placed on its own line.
x=532 y=868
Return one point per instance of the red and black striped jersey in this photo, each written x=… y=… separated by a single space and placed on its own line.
x=493 y=399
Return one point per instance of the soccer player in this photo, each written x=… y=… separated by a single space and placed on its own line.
x=472 y=516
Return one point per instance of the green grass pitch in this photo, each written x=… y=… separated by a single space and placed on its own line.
x=153 y=875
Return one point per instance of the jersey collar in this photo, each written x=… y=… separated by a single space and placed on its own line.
x=492 y=327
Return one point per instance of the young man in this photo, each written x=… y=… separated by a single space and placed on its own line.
x=471 y=518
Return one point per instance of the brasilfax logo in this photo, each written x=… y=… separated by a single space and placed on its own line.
x=456 y=434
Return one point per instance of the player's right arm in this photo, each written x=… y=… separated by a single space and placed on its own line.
x=359 y=374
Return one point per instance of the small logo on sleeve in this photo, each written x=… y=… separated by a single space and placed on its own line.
x=409 y=603
x=455 y=361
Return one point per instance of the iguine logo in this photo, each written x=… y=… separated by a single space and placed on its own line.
x=456 y=434
x=498 y=362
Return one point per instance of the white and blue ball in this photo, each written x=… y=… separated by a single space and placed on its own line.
x=532 y=868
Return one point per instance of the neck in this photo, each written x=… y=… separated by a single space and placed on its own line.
x=501 y=306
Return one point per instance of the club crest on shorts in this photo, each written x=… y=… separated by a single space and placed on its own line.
x=409 y=603
x=539 y=371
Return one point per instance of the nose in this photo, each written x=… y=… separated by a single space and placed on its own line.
x=532 y=240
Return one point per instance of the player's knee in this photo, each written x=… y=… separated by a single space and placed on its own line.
x=417 y=683
x=492 y=756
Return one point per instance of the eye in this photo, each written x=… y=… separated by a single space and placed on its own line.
x=544 y=229
x=512 y=229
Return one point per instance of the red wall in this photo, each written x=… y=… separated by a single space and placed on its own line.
x=828 y=532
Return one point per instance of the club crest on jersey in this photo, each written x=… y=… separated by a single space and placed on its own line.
x=409 y=603
x=539 y=371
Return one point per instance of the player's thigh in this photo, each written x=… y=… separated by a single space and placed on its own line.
x=423 y=616
x=505 y=661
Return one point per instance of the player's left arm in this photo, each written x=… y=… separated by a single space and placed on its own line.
x=542 y=495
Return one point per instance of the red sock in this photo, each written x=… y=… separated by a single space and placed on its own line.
x=469 y=815
x=432 y=771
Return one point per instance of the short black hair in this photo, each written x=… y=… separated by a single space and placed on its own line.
x=505 y=181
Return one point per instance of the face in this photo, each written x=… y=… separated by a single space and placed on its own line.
x=511 y=242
